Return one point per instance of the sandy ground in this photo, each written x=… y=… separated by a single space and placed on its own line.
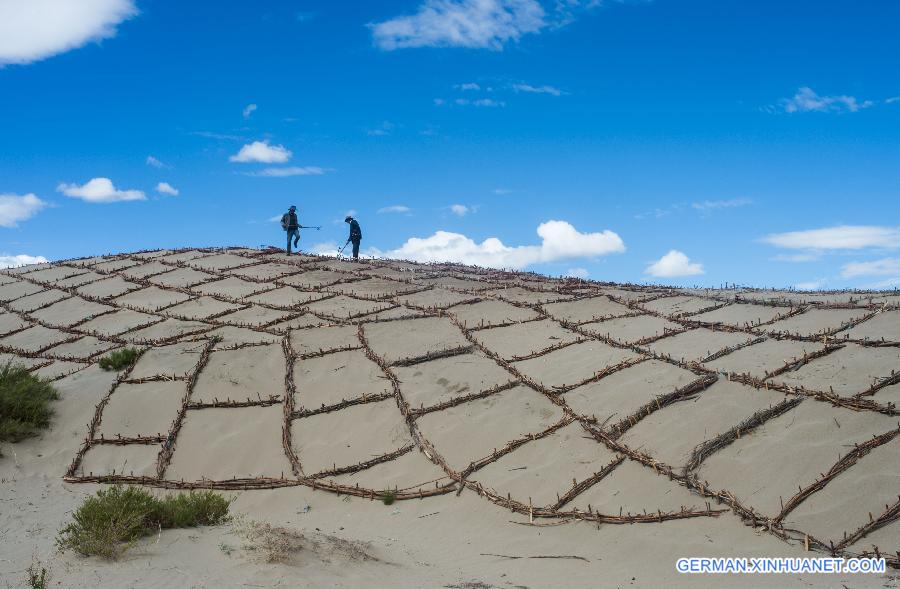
x=444 y=542
x=534 y=391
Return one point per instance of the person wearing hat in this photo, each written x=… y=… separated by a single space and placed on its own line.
x=355 y=235
x=290 y=224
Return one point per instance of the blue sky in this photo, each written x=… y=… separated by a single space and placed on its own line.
x=674 y=141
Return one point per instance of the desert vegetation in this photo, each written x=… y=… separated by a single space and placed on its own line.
x=120 y=359
x=24 y=403
x=109 y=523
x=37 y=575
x=281 y=545
x=273 y=544
x=388 y=497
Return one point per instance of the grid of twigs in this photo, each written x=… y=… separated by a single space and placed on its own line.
x=377 y=291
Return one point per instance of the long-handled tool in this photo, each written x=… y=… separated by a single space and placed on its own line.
x=341 y=251
x=297 y=238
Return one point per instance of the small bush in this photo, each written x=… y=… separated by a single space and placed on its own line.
x=37 y=575
x=108 y=524
x=388 y=497
x=199 y=508
x=120 y=359
x=24 y=403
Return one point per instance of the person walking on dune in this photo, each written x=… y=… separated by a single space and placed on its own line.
x=291 y=225
x=355 y=235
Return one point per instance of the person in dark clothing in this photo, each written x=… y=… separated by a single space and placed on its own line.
x=355 y=235
x=290 y=224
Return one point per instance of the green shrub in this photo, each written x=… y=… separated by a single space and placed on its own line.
x=199 y=508
x=388 y=497
x=37 y=575
x=108 y=524
x=120 y=359
x=24 y=403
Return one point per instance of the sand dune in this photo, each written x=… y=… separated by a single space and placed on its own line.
x=753 y=413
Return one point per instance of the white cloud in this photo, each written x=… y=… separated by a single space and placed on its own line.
x=155 y=163
x=577 y=273
x=219 y=136
x=812 y=256
x=381 y=130
x=262 y=152
x=559 y=241
x=842 y=237
x=8 y=261
x=99 y=190
x=460 y=210
x=401 y=209
x=673 y=265
x=883 y=267
x=166 y=188
x=656 y=213
x=565 y=10
x=889 y=283
x=502 y=191
x=32 y=30
x=806 y=100
x=892 y=100
x=15 y=208
x=289 y=171
x=248 y=110
x=328 y=248
x=331 y=248
x=811 y=285
x=713 y=205
x=488 y=102
x=483 y=24
x=439 y=101
x=705 y=208
x=537 y=89
x=469 y=86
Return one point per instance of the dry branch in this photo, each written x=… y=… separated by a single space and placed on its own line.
x=362 y=400
x=845 y=462
x=704 y=450
x=579 y=488
x=689 y=391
